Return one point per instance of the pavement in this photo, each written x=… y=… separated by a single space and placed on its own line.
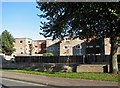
x=58 y=82
x=10 y=83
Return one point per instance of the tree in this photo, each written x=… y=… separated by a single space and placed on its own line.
x=83 y=20
x=7 y=43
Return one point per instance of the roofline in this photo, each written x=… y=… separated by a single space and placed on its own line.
x=39 y=40
x=30 y=39
x=23 y=38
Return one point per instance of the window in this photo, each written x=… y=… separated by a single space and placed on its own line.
x=67 y=41
x=58 y=48
x=66 y=47
x=35 y=46
x=28 y=41
x=21 y=52
x=97 y=46
x=35 y=52
x=51 y=49
x=21 y=48
x=67 y=38
x=90 y=46
x=79 y=47
x=21 y=41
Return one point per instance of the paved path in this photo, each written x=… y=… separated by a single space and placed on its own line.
x=54 y=81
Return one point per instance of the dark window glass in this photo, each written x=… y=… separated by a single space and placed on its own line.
x=21 y=41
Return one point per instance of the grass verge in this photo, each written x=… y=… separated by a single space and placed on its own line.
x=82 y=75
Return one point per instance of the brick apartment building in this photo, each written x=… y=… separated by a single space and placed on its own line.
x=22 y=46
x=27 y=46
x=41 y=46
x=66 y=47
x=35 y=47
x=79 y=47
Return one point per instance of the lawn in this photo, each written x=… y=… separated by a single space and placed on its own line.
x=82 y=75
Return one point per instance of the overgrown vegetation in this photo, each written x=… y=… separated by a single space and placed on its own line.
x=82 y=75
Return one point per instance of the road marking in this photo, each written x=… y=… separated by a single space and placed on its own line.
x=35 y=84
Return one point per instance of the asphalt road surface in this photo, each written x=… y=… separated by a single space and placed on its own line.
x=10 y=83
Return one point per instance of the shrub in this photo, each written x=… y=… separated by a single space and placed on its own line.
x=48 y=54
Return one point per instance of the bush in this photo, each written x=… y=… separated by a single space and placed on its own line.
x=48 y=54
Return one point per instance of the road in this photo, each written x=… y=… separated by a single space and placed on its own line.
x=54 y=81
x=10 y=83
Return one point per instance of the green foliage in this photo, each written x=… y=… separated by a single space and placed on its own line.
x=82 y=20
x=7 y=43
x=48 y=54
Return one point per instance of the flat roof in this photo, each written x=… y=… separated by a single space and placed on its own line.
x=23 y=38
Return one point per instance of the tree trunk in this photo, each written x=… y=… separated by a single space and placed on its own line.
x=113 y=59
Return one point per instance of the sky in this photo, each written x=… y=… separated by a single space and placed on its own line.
x=21 y=20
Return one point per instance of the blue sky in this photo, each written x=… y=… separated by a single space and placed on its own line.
x=21 y=20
